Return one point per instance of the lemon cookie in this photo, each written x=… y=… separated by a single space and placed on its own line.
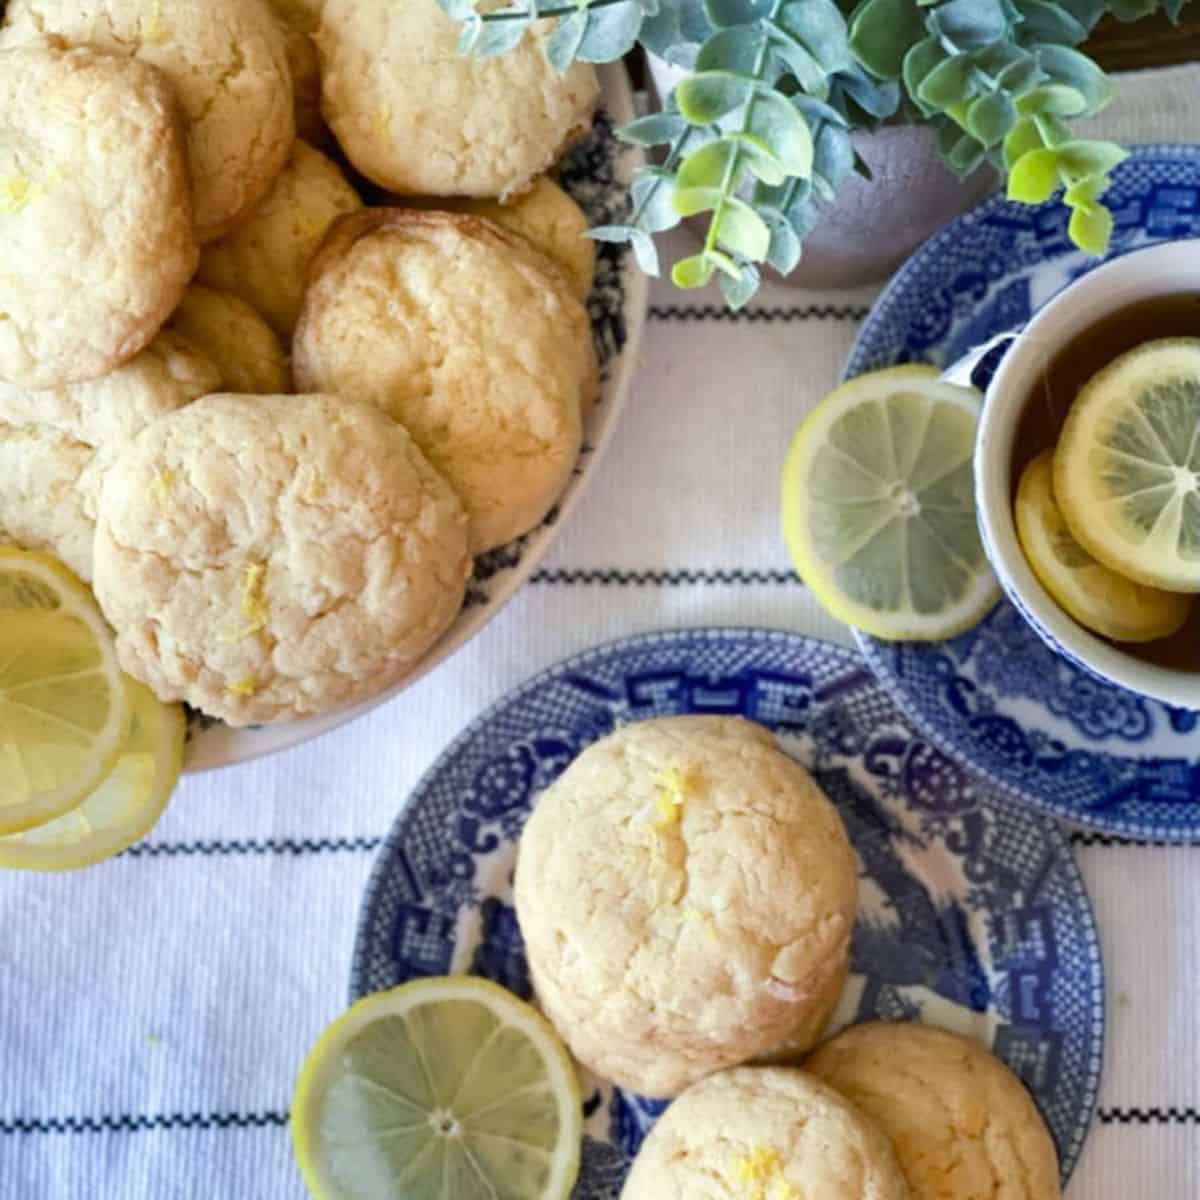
x=418 y=117
x=304 y=63
x=168 y=374
x=764 y=1134
x=228 y=63
x=272 y=557
x=96 y=242
x=467 y=336
x=686 y=894
x=230 y=333
x=47 y=494
x=550 y=221
x=265 y=259
x=962 y=1124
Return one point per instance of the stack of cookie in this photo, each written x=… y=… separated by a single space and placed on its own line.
x=686 y=896
x=175 y=264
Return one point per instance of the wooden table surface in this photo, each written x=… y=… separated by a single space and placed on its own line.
x=1150 y=42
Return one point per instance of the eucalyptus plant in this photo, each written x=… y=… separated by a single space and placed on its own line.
x=757 y=136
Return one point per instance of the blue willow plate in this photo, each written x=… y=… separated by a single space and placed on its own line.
x=973 y=915
x=1040 y=729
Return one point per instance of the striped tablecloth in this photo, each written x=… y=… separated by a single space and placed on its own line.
x=154 y=1011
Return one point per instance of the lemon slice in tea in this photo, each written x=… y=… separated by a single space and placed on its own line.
x=123 y=808
x=443 y=1087
x=1100 y=599
x=64 y=704
x=879 y=506
x=1127 y=466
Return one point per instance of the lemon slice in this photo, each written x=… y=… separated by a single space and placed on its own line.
x=1105 y=602
x=1127 y=467
x=879 y=506
x=64 y=704
x=123 y=808
x=444 y=1087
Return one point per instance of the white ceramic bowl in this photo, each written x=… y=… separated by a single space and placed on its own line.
x=1165 y=269
x=598 y=175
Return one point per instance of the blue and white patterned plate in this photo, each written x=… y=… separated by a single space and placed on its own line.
x=973 y=915
x=1039 y=728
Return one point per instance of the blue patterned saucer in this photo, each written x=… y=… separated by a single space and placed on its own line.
x=973 y=915
x=1039 y=728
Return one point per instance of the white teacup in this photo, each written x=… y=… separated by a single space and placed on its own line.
x=1162 y=270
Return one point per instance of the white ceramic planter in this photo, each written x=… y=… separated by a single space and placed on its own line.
x=874 y=225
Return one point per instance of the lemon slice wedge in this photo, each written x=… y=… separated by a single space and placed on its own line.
x=123 y=808
x=879 y=506
x=1100 y=599
x=448 y=1086
x=1127 y=466
x=64 y=704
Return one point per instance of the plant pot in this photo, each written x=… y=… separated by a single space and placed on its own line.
x=874 y=225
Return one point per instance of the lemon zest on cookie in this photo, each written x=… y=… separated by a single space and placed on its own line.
x=700 y=917
x=244 y=687
x=672 y=793
x=314 y=489
x=162 y=487
x=153 y=29
x=16 y=193
x=758 y=1170
x=254 y=606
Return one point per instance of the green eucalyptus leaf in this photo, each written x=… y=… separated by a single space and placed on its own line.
x=741 y=230
x=738 y=292
x=878 y=99
x=918 y=63
x=1086 y=191
x=723 y=262
x=708 y=166
x=991 y=117
x=1045 y=22
x=1090 y=228
x=645 y=252
x=759 y=158
x=780 y=127
x=724 y=14
x=1021 y=77
x=1022 y=138
x=653 y=194
x=833 y=156
x=1052 y=130
x=500 y=37
x=610 y=32
x=813 y=110
x=803 y=216
x=649 y=7
x=693 y=272
x=966 y=155
x=819 y=24
x=784 y=251
x=968 y=24
x=705 y=97
x=795 y=58
x=1081 y=159
x=949 y=83
x=1033 y=178
x=1086 y=12
x=995 y=59
x=882 y=33
x=563 y=43
x=655 y=129
x=1131 y=10
x=1173 y=9
x=735 y=50
x=1072 y=69
x=676 y=32
x=687 y=202
x=1056 y=99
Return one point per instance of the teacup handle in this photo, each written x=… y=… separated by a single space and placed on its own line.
x=962 y=372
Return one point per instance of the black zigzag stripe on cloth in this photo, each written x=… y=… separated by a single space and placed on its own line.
x=283 y=846
x=142 y=1122
x=754 y=316
x=679 y=577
